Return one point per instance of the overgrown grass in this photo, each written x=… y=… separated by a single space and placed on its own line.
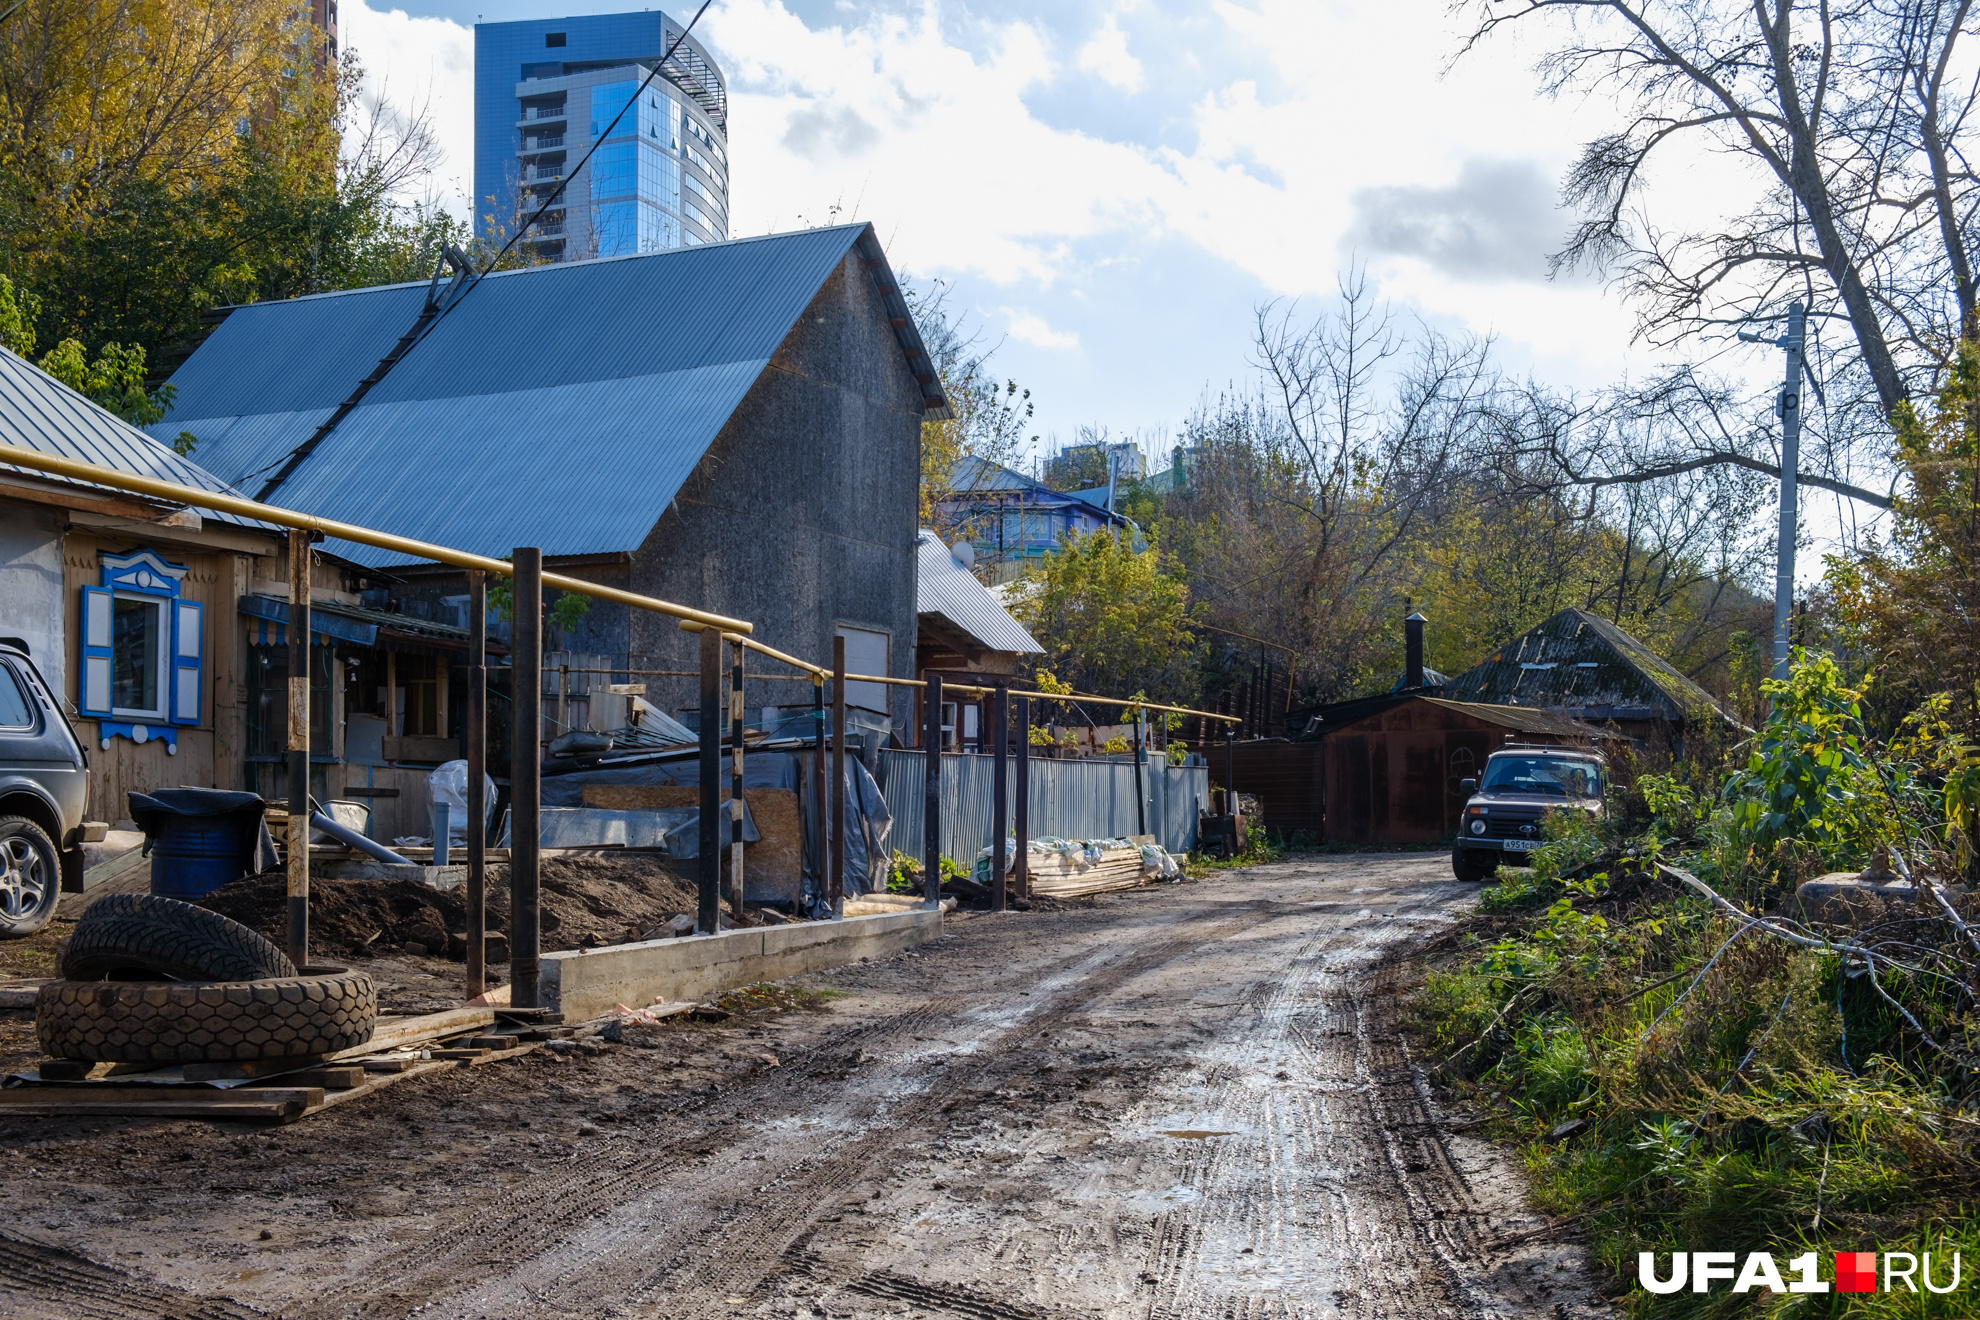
x=1679 y=1080
x=1258 y=850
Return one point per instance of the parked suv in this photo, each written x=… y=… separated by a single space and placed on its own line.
x=44 y=792
x=1501 y=821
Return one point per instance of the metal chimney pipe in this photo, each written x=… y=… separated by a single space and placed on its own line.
x=1413 y=650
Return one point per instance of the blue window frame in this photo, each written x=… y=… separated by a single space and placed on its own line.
x=143 y=648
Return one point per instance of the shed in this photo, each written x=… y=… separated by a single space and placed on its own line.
x=1580 y=665
x=1385 y=770
x=961 y=624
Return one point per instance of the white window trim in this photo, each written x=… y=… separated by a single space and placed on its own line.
x=161 y=664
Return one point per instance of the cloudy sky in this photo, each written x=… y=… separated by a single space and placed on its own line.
x=1112 y=187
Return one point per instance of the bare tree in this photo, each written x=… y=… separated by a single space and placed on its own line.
x=1854 y=117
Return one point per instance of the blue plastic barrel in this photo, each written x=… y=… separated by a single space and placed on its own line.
x=195 y=855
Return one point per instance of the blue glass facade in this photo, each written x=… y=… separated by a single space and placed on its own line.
x=659 y=176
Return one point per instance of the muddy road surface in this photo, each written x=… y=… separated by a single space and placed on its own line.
x=1191 y=1101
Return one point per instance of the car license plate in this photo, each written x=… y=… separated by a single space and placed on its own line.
x=1522 y=845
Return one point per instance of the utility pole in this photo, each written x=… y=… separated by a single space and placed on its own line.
x=1788 y=405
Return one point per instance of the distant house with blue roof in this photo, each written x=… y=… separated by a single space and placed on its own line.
x=1012 y=520
x=734 y=426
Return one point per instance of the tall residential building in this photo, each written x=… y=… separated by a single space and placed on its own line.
x=546 y=89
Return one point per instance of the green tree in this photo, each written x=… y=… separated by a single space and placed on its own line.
x=1113 y=620
x=1911 y=603
x=989 y=416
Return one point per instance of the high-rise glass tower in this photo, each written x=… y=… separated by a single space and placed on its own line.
x=546 y=89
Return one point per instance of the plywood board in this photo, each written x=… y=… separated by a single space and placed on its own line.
x=773 y=867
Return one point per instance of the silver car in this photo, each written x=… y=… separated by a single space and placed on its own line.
x=44 y=795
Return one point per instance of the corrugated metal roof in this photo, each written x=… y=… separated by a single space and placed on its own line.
x=560 y=406
x=1583 y=665
x=945 y=587
x=1524 y=719
x=982 y=474
x=40 y=413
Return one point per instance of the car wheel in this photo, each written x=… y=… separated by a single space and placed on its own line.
x=1470 y=871
x=30 y=877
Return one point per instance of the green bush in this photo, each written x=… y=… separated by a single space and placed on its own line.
x=1678 y=1079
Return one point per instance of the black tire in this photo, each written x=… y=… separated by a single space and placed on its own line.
x=324 y=1010
x=30 y=877
x=1471 y=871
x=143 y=936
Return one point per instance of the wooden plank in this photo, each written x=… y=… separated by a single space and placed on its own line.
x=461 y=1054
x=112 y=1093
x=331 y=1079
x=378 y=1081
x=48 y=1103
x=395 y=1033
x=242 y=1069
x=497 y=1056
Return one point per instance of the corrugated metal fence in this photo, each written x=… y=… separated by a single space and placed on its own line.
x=1070 y=799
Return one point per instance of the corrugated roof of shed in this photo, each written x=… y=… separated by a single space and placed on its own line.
x=560 y=406
x=1580 y=662
x=40 y=413
x=945 y=587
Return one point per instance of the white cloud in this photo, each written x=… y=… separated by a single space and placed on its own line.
x=1106 y=56
x=420 y=65
x=924 y=119
x=1035 y=330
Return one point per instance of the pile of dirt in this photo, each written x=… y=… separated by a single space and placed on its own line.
x=586 y=902
x=347 y=918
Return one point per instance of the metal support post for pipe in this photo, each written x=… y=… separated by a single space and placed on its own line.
x=1023 y=810
x=931 y=810
x=708 y=907
x=477 y=789
x=821 y=811
x=1000 y=804
x=736 y=800
x=1230 y=771
x=299 y=804
x=1140 y=789
x=835 y=890
x=526 y=783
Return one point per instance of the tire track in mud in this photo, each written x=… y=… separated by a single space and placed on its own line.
x=551 y=1240
x=39 y=1280
x=1329 y=1188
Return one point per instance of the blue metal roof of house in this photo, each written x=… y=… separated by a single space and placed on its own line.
x=40 y=413
x=943 y=586
x=559 y=406
x=980 y=474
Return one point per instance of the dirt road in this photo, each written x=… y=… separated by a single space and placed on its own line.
x=1185 y=1102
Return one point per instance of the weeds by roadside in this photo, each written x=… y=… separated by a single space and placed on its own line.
x=1258 y=850
x=1682 y=1074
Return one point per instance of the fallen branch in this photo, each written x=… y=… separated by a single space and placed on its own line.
x=1938 y=896
x=1846 y=948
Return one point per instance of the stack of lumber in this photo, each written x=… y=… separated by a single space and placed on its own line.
x=278 y=1090
x=1057 y=875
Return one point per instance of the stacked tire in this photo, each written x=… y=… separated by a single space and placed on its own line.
x=153 y=980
